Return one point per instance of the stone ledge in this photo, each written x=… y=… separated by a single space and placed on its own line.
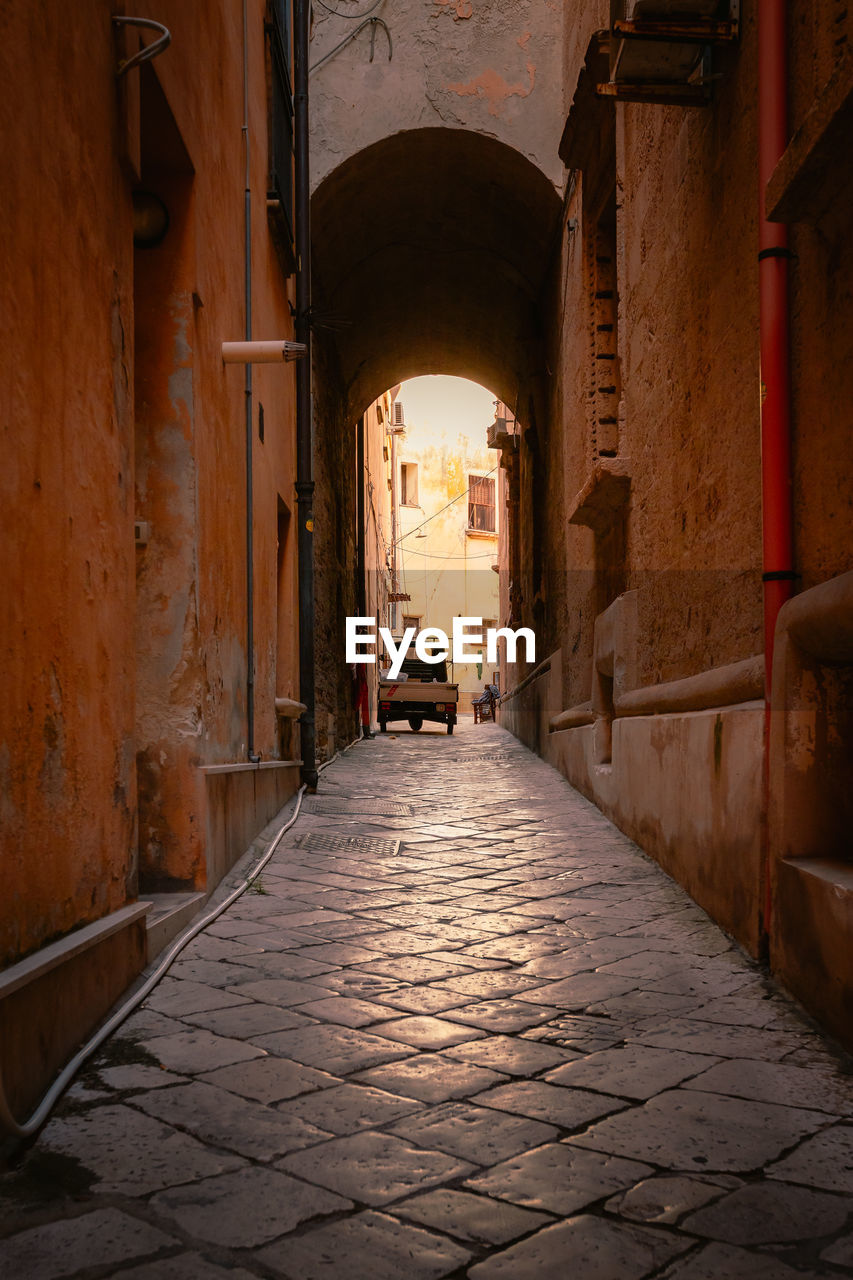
x=829 y=870
x=727 y=686
x=574 y=718
x=820 y=620
x=541 y=670
x=604 y=491
x=248 y=767
x=73 y=944
x=577 y=147
x=289 y=709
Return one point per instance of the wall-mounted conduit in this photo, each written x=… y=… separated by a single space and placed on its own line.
x=150 y=51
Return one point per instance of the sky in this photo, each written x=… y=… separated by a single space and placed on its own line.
x=444 y=404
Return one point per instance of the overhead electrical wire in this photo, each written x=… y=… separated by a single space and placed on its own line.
x=463 y=494
x=367 y=22
x=435 y=555
x=362 y=13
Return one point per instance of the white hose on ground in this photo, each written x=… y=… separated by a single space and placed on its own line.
x=67 y=1074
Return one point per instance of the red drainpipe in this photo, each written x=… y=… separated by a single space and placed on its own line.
x=773 y=259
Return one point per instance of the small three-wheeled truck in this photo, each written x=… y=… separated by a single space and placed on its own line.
x=423 y=694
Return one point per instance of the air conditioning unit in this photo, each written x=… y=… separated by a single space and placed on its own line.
x=500 y=434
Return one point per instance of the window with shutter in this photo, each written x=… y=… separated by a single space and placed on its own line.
x=481 y=504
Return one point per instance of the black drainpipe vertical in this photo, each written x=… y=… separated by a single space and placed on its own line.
x=360 y=571
x=250 y=515
x=304 y=406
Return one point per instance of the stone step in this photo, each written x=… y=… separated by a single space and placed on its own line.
x=169 y=914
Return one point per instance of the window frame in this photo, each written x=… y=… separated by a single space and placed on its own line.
x=475 y=506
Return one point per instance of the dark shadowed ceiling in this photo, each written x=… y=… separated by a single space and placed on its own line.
x=434 y=244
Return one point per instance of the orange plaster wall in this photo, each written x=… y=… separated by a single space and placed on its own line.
x=67 y=786
x=76 y=704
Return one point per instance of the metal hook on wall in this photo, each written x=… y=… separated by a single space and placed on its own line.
x=151 y=50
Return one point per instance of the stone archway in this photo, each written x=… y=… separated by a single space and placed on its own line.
x=431 y=253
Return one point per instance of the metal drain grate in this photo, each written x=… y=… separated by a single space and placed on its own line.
x=321 y=843
x=483 y=759
x=337 y=804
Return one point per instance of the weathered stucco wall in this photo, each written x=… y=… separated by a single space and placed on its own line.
x=657 y=466
x=491 y=66
x=125 y=661
x=643 y=476
x=67 y=775
x=687 y=435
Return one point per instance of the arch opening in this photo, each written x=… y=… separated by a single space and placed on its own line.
x=431 y=252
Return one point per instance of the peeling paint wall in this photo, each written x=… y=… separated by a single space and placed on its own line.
x=493 y=66
x=68 y=782
x=124 y=662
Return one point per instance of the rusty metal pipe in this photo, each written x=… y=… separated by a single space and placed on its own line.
x=304 y=400
x=773 y=268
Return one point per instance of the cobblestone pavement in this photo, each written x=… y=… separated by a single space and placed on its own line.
x=463 y=1028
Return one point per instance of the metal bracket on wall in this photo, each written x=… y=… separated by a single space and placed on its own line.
x=149 y=51
x=657 y=58
x=698 y=31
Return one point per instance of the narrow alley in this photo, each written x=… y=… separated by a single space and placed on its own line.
x=458 y=1027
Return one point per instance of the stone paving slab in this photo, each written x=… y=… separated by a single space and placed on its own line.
x=220 y=1119
x=245 y=1209
x=666 y=1199
x=513 y=1048
x=189 y=1052
x=431 y=1077
x=132 y=1154
x=558 y=1178
x=474 y=1133
x=394 y=1249
x=791 y=1086
x=635 y=1071
x=584 y=1246
x=680 y=1129
x=65 y=1248
x=569 y=1109
x=510 y=1055
x=466 y=1217
x=768 y=1213
x=721 y=1260
x=374 y=1168
x=334 y=1048
x=823 y=1161
x=186 y=1266
x=270 y=1080
x=351 y=1107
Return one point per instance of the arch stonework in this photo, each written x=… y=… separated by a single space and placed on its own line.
x=431 y=250
x=436 y=207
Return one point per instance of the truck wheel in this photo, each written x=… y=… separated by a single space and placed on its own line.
x=383 y=726
x=450 y=729
x=415 y=723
